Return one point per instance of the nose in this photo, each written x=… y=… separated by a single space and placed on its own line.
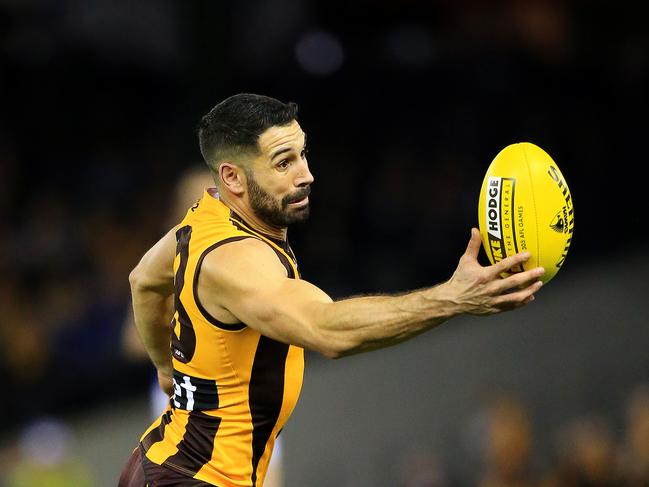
x=305 y=177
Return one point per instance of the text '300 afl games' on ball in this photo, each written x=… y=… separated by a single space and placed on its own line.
x=525 y=205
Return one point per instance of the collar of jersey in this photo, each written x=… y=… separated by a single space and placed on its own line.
x=282 y=244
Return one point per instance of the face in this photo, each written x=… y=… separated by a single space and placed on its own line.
x=280 y=181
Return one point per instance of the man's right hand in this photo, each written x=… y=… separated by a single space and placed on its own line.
x=481 y=290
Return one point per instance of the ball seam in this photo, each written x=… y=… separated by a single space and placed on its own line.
x=536 y=220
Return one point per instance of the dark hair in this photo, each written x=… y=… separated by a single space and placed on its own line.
x=234 y=125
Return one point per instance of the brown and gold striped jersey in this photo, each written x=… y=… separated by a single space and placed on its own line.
x=234 y=388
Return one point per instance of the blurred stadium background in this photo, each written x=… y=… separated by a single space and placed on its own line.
x=405 y=104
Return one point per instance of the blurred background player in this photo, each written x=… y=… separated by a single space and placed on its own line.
x=588 y=456
x=508 y=444
x=635 y=460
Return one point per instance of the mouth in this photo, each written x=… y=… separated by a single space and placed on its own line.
x=302 y=199
x=302 y=202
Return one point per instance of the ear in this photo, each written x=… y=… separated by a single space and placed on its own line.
x=232 y=177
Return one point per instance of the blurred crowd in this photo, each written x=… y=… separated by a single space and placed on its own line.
x=586 y=452
x=65 y=262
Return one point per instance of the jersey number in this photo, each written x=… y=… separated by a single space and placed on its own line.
x=194 y=393
x=186 y=402
x=183 y=345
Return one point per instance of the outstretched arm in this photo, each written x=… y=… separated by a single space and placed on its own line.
x=254 y=288
x=152 y=287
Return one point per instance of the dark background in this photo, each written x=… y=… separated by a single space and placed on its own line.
x=405 y=104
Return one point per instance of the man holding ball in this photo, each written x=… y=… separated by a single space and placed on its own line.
x=242 y=316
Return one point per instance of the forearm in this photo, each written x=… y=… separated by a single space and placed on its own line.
x=367 y=323
x=152 y=315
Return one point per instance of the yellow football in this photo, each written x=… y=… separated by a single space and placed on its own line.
x=525 y=204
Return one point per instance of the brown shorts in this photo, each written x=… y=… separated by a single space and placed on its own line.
x=141 y=472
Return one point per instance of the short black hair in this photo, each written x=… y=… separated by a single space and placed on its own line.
x=233 y=126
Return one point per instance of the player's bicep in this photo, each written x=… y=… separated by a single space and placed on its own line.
x=155 y=270
x=253 y=287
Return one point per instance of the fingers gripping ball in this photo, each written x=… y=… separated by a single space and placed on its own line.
x=525 y=204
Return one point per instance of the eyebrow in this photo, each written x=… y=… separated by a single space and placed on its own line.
x=285 y=149
x=281 y=151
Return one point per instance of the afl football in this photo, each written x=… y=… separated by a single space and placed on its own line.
x=525 y=204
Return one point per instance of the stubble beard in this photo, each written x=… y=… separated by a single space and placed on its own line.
x=272 y=212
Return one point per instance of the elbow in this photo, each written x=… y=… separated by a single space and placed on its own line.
x=135 y=278
x=334 y=347
x=335 y=353
x=332 y=342
x=331 y=353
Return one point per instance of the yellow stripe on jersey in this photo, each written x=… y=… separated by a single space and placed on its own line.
x=234 y=388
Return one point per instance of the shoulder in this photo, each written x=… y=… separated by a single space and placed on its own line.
x=241 y=259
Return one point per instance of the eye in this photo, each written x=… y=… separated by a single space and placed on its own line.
x=283 y=164
x=304 y=152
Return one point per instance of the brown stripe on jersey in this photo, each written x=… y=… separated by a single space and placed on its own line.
x=163 y=476
x=195 y=449
x=206 y=314
x=156 y=434
x=283 y=244
x=282 y=258
x=244 y=228
x=184 y=346
x=289 y=251
x=265 y=394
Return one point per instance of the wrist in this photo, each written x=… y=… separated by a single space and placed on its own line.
x=446 y=300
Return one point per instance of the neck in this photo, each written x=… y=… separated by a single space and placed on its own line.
x=256 y=223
